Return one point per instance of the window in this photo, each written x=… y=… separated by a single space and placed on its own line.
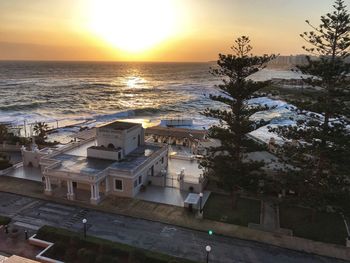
x=140 y=179
x=162 y=159
x=119 y=155
x=118 y=185
x=135 y=183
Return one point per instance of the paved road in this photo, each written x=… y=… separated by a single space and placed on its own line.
x=32 y=213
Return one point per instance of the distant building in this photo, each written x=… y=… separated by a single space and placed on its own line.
x=288 y=61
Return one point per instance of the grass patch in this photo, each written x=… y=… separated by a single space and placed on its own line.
x=219 y=208
x=72 y=247
x=322 y=226
x=4 y=220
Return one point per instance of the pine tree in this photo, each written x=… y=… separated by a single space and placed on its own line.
x=227 y=163
x=322 y=156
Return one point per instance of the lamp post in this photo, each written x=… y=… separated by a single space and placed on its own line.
x=200 y=202
x=208 y=249
x=84 y=223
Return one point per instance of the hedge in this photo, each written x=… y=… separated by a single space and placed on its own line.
x=4 y=220
x=72 y=247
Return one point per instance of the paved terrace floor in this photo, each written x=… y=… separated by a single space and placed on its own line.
x=167 y=195
x=191 y=167
x=81 y=150
x=28 y=173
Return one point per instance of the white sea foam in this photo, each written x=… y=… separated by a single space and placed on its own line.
x=86 y=94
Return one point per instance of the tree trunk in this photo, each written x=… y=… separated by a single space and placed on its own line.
x=234 y=199
x=312 y=215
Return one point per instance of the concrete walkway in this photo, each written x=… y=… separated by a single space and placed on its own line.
x=179 y=217
x=269 y=219
x=269 y=215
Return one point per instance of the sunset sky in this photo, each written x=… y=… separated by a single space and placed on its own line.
x=152 y=30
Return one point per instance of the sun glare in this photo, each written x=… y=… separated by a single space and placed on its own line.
x=133 y=25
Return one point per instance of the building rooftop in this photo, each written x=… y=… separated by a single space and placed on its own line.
x=136 y=157
x=92 y=166
x=81 y=164
x=102 y=148
x=120 y=125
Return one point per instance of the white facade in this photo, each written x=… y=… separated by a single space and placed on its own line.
x=119 y=164
x=127 y=136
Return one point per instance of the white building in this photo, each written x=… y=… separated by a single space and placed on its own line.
x=116 y=162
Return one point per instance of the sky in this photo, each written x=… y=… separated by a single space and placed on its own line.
x=151 y=30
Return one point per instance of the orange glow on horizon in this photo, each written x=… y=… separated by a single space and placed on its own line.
x=151 y=30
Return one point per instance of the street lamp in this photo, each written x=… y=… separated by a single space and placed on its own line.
x=208 y=249
x=200 y=202
x=84 y=223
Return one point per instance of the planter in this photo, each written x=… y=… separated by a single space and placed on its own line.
x=44 y=244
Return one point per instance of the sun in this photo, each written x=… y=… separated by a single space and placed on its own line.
x=133 y=25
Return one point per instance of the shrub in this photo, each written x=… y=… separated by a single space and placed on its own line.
x=86 y=255
x=136 y=256
x=57 y=250
x=106 y=259
x=87 y=248
x=4 y=164
x=70 y=255
x=4 y=220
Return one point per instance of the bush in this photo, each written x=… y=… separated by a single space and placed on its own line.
x=136 y=256
x=87 y=256
x=4 y=220
x=106 y=259
x=57 y=250
x=87 y=248
x=4 y=164
x=70 y=255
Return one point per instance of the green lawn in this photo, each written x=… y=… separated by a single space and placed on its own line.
x=324 y=227
x=219 y=208
x=4 y=220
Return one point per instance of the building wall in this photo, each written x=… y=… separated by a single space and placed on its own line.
x=126 y=139
x=107 y=136
x=104 y=154
x=131 y=139
x=128 y=187
x=132 y=185
x=32 y=157
x=158 y=166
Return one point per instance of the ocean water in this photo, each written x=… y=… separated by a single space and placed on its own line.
x=93 y=92
x=102 y=91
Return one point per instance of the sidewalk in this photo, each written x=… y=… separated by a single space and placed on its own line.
x=180 y=217
x=269 y=219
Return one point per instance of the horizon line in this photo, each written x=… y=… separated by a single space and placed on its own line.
x=103 y=61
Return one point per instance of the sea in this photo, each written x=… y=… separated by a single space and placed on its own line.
x=69 y=95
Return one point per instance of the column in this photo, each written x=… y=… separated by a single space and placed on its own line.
x=92 y=191
x=97 y=191
x=48 y=189
x=95 y=195
x=70 y=190
x=107 y=185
